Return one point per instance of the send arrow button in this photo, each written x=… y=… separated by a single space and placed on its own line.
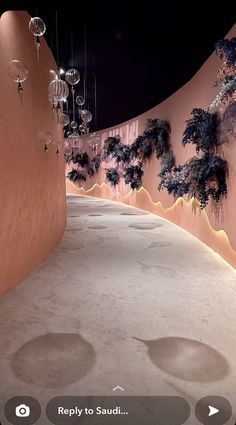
x=212 y=411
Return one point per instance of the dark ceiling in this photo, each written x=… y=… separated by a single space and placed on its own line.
x=139 y=56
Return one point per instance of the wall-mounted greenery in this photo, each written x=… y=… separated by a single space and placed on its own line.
x=201 y=130
x=113 y=176
x=80 y=158
x=130 y=158
x=226 y=49
x=76 y=176
x=133 y=176
x=203 y=176
x=93 y=165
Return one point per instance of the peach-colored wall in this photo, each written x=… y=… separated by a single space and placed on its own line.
x=198 y=92
x=32 y=186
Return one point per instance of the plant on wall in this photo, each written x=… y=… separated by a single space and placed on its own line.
x=133 y=176
x=76 y=176
x=113 y=176
x=115 y=149
x=158 y=132
x=111 y=144
x=93 y=165
x=81 y=158
x=130 y=159
x=201 y=178
x=201 y=130
x=155 y=138
x=226 y=95
x=122 y=153
x=142 y=148
x=226 y=49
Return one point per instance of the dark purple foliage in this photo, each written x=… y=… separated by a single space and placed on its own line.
x=226 y=49
x=113 y=176
x=203 y=178
x=110 y=145
x=133 y=176
x=121 y=153
x=81 y=158
x=76 y=176
x=158 y=132
x=201 y=130
x=93 y=165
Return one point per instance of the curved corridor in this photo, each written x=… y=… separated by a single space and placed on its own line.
x=127 y=299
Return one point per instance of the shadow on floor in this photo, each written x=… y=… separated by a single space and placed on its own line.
x=187 y=359
x=53 y=360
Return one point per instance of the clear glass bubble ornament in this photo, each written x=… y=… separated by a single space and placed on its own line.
x=38 y=28
x=82 y=129
x=58 y=90
x=64 y=119
x=79 y=100
x=72 y=76
x=45 y=138
x=73 y=125
x=18 y=73
x=86 y=115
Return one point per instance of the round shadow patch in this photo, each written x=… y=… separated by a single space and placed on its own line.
x=53 y=360
x=133 y=213
x=187 y=359
x=97 y=227
x=145 y=226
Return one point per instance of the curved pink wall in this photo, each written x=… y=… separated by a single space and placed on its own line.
x=32 y=186
x=206 y=225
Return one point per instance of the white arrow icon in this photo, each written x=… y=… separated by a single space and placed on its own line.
x=118 y=388
x=212 y=411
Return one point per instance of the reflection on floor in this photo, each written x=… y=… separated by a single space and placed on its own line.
x=125 y=299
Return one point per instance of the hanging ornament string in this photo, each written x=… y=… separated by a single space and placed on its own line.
x=18 y=73
x=95 y=99
x=56 y=27
x=72 y=77
x=38 y=28
x=85 y=67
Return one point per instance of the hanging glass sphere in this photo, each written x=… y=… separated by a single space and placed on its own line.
x=82 y=129
x=64 y=119
x=86 y=116
x=75 y=133
x=37 y=26
x=79 y=100
x=44 y=137
x=58 y=90
x=73 y=124
x=17 y=71
x=72 y=76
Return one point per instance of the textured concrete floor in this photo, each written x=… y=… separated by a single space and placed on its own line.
x=125 y=299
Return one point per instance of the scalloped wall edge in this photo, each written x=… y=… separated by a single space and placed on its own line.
x=181 y=213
